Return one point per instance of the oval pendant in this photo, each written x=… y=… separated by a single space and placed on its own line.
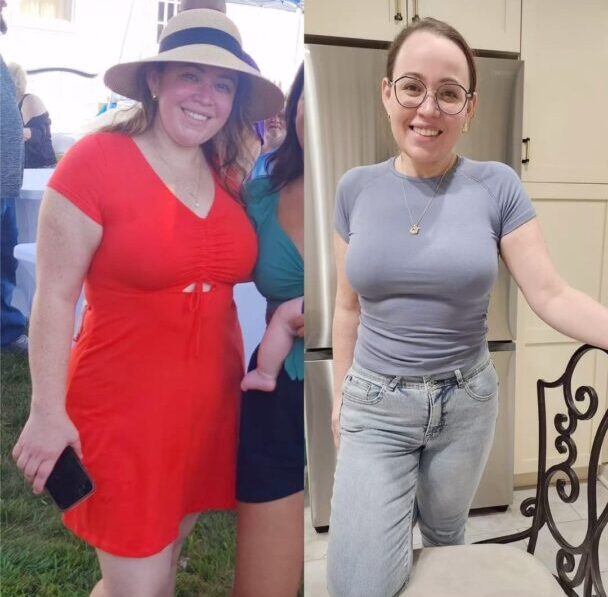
x=415 y=229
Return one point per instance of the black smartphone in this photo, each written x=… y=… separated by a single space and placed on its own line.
x=69 y=483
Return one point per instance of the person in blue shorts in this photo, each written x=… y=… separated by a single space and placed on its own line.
x=270 y=471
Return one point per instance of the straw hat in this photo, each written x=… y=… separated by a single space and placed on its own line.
x=202 y=37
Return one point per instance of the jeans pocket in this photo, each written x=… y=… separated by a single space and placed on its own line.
x=484 y=384
x=360 y=390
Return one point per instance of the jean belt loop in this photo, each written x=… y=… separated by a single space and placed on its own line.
x=459 y=378
x=393 y=383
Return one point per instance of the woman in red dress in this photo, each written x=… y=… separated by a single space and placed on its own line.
x=145 y=213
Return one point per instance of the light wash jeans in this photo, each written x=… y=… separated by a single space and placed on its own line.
x=12 y=321
x=412 y=449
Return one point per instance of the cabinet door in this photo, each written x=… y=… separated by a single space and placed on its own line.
x=576 y=232
x=488 y=25
x=362 y=19
x=566 y=62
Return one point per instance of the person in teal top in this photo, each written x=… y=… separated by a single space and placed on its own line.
x=270 y=470
x=279 y=276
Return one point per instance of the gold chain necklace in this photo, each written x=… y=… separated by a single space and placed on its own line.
x=195 y=196
x=415 y=227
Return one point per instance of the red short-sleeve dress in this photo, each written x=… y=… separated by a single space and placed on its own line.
x=153 y=380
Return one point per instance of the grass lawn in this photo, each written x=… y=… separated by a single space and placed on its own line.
x=39 y=558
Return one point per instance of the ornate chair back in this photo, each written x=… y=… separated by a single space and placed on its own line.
x=577 y=565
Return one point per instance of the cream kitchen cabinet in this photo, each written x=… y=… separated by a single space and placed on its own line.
x=565 y=90
x=575 y=226
x=361 y=19
x=487 y=25
x=565 y=117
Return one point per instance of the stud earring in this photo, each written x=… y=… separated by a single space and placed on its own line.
x=388 y=116
x=154 y=97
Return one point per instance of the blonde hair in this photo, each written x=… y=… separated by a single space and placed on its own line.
x=19 y=78
x=227 y=152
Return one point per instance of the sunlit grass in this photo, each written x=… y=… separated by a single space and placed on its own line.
x=40 y=558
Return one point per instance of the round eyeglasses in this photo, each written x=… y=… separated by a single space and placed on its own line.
x=450 y=98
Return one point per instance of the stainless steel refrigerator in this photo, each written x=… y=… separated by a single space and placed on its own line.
x=345 y=127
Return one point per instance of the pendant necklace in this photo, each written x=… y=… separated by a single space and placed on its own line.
x=415 y=226
x=195 y=200
x=195 y=195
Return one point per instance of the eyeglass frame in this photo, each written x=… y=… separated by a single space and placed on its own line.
x=468 y=94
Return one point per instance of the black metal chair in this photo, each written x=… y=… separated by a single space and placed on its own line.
x=493 y=568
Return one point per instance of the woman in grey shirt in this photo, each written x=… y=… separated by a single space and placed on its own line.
x=417 y=244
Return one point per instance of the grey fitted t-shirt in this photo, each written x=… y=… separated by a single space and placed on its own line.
x=424 y=298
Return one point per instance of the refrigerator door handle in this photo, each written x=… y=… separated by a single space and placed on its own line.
x=526 y=142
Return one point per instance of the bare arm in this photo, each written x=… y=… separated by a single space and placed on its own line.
x=564 y=308
x=32 y=106
x=344 y=331
x=67 y=240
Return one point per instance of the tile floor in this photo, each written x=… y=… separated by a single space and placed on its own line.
x=571 y=518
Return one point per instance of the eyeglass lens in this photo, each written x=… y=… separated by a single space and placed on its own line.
x=410 y=93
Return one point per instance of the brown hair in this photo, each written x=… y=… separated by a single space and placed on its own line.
x=227 y=152
x=287 y=162
x=438 y=28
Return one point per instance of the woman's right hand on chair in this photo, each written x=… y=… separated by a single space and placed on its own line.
x=46 y=434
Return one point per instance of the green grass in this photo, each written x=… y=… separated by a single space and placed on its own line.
x=40 y=558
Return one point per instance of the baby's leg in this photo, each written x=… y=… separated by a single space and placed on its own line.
x=274 y=348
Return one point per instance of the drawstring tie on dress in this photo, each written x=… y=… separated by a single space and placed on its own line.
x=196 y=308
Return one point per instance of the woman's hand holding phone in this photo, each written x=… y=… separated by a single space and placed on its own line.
x=46 y=434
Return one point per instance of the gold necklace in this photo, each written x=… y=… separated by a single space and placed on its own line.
x=195 y=195
x=415 y=227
